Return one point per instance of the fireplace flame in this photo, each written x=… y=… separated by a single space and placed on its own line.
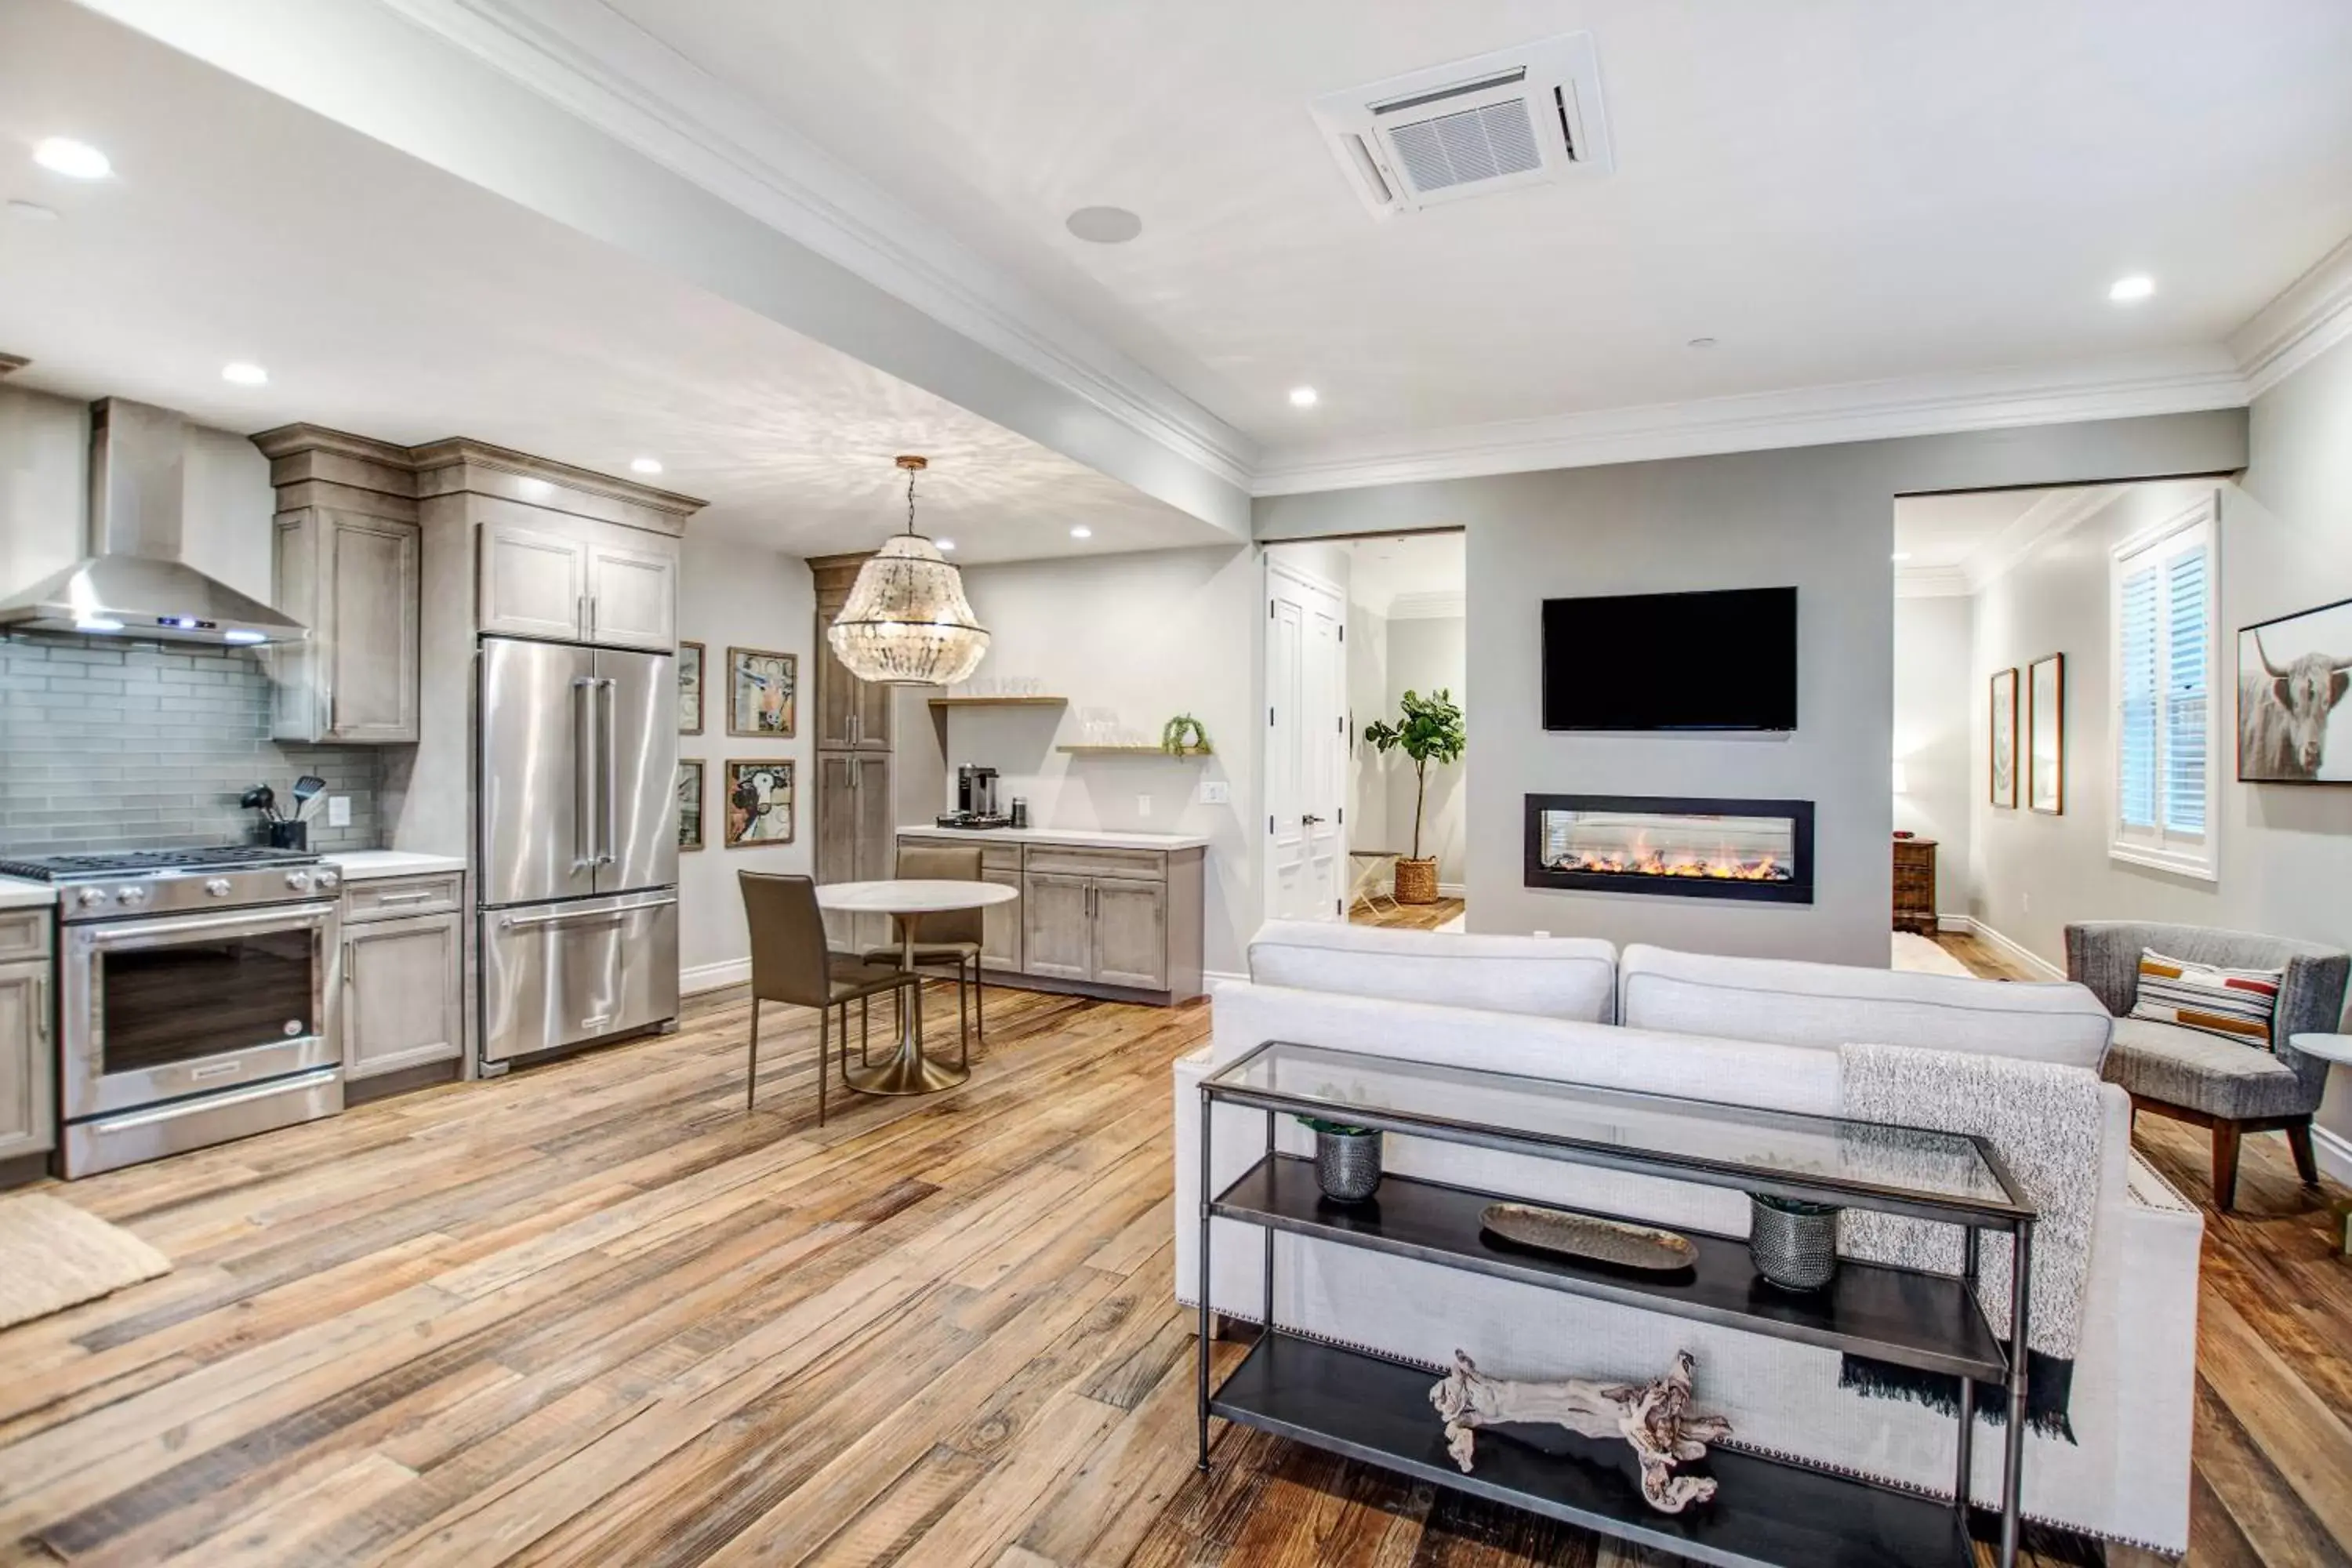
x=1640 y=859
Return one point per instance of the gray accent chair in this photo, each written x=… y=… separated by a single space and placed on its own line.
x=2203 y=1078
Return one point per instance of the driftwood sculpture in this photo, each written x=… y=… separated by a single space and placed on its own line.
x=1654 y=1418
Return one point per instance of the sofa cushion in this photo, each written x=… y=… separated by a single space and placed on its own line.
x=2198 y=1072
x=1570 y=977
x=1830 y=1005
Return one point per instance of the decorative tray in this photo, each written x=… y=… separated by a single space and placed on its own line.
x=1587 y=1235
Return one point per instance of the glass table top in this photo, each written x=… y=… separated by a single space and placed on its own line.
x=1861 y=1158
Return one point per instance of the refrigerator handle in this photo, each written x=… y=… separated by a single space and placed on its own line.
x=584 y=787
x=608 y=787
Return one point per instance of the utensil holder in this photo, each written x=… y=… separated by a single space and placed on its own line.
x=290 y=835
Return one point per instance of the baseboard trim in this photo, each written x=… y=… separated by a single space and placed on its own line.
x=1209 y=978
x=2333 y=1151
x=1960 y=924
x=714 y=977
x=2015 y=950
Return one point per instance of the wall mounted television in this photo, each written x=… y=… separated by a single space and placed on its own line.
x=1725 y=660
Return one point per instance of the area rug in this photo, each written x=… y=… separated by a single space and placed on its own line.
x=1919 y=955
x=53 y=1256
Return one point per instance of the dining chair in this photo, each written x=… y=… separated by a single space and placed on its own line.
x=790 y=964
x=949 y=939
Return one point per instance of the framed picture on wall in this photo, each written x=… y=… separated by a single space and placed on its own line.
x=759 y=804
x=2046 y=734
x=2294 y=723
x=689 y=687
x=763 y=693
x=2003 y=768
x=689 y=802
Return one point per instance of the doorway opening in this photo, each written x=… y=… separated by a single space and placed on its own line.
x=1358 y=830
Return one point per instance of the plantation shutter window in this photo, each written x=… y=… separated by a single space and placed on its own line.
x=2164 y=617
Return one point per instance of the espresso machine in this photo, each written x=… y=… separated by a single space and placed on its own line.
x=975 y=800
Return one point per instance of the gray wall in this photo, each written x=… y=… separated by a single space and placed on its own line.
x=2286 y=850
x=1821 y=518
x=1935 y=725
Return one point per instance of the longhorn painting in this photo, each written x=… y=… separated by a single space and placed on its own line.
x=2293 y=724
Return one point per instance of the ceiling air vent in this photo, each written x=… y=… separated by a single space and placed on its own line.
x=1518 y=117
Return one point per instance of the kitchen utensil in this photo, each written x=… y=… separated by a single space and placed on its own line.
x=305 y=788
x=263 y=799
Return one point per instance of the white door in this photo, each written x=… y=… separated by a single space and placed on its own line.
x=1307 y=753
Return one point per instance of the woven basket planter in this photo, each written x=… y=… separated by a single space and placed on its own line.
x=1416 y=881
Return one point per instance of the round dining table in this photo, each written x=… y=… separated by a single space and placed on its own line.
x=908 y=1072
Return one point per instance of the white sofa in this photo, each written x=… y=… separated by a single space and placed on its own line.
x=2125 y=1477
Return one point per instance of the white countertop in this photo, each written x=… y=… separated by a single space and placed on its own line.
x=370 y=864
x=20 y=893
x=912 y=897
x=1084 y=837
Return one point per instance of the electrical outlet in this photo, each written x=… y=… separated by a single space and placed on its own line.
x=1216 y=792
x=2029 y=903
x=1143 y=805
x=339 y=811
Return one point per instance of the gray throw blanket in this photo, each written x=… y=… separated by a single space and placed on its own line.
x=2045 y=1120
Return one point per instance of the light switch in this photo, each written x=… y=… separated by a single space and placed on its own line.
x=1215 y=792
x=339 y=811
x=1143 y=805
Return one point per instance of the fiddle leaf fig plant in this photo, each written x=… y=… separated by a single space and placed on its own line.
x=1430 y=730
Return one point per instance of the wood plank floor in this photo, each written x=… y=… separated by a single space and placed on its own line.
x=1410 y=916
x=595 y=1314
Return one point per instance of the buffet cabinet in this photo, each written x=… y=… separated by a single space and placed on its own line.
x=1099 y=920
x=404 y=973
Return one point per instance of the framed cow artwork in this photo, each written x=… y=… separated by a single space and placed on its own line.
x=2294 y=723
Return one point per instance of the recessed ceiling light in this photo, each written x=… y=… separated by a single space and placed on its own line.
x=1700 y=344
x=1082 y=531
x=2131 y=290
x=74 y=160
x=1900 y=555
x=32 y=210
x=645 y=465
x=1304 y=398
x=244 y=375
x=1104 y=226
x=944 y=544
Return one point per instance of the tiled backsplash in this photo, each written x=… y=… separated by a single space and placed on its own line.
x=117 y=745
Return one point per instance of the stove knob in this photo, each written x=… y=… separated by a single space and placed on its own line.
x=90 y=897
x=298 y=880
x=134 y=897
x=218 y=887
x=328 y=879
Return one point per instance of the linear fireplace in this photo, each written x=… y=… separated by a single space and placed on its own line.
x=1695 y=849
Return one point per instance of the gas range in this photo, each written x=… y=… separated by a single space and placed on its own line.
x=161 y=881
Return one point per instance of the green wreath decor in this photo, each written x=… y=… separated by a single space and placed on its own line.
x=1185 y=737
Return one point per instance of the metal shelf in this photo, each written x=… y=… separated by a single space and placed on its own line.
x=1132 y=751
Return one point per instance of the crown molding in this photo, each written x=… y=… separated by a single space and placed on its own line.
x=2043 y=524
x=2310 y=316
x=1444 y=604
x=1931 y=582
x=606 y=70
x=2178 y=383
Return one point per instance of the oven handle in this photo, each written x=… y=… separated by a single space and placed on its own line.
x=302 y=917
x=602 y=911
x=210 y=1103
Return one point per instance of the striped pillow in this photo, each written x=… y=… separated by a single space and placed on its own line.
x=2235 y=1003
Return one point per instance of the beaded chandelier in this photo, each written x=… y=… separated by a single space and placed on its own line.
x=907 y=622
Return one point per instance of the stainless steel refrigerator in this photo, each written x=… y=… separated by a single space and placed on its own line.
x=578 y=887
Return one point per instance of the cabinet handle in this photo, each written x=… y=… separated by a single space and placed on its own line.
x=41 y=1007
x=592 y=617
x=425 y=897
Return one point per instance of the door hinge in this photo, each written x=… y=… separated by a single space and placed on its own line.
x=1340 y=724
x=1269 y=824
x=1343 y=816
x=1343 y=634
x=1337 y=908
x=1269 y=718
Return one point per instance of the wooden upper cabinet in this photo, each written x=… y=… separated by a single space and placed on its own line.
x=353 y=580
x=534 y=582
x=577 y=580
x=633 y=593
x=851 y=714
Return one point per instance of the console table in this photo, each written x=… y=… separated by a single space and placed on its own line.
x=1767 y=1511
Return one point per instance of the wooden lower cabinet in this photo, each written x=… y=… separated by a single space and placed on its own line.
x=28 y=1123
x=404 y=987
x=1111 y=919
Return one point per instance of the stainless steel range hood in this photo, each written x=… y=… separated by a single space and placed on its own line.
x=134 y=583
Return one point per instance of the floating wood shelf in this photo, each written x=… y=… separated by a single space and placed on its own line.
x=1000 y=702
x=1133 y=752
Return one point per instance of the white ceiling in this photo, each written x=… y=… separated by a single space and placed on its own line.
x=388 y=298
x=1841 y=191
x=1937 y=532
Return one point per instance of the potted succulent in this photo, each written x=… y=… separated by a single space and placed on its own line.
x=1431 y=732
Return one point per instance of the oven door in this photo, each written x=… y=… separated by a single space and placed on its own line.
x=161 y=1009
